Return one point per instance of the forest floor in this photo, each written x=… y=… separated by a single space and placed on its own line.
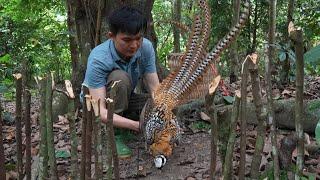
x=190 y=160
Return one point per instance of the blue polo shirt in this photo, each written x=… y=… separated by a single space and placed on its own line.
x=103 y=59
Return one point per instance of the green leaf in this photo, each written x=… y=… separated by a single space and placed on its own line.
x=317 y=132
x=229 y=99
x=5 y=58
x=313 y=55
x=62 y=154
x=282 y=56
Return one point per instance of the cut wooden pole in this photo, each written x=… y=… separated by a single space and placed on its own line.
x=83 y=136
x=210 y=108
x=18 y=78
x=97 y=139
x=261 y=127
x=111 y=139
x=2 y=158
x=88 y=136
x=72 y=115
x=243 y=117
x=296 y=35
x=227 y=169
x=43 y=160
x=27 y=105
x=49 y=121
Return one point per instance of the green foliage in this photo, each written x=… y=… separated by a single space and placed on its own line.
x=313 y=56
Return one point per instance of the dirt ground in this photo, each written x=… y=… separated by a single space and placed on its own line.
x=191 y=159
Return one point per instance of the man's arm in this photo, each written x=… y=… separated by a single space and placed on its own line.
x=152 y=82
x=118 y=121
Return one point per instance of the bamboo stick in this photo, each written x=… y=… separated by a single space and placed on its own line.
x=97 y=139
x=88 y=136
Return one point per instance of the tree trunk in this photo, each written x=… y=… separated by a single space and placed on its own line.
x=176 y=32
x=269 y=60
x=233 y=49
x=284 y=76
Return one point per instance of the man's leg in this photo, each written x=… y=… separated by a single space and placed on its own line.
x=123 y=91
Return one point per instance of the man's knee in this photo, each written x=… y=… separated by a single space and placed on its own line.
x=117 y=75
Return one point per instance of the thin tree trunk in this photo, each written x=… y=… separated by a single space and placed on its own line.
x=27 y=105
x=111 y=140
x=243 y=118
x=18 y=124
x=176 y=32
x=43 y=159
x=2 y=158
x=296 y=36
x=50 y=134
x=284 y=77
x=261 y=128
x=269 y=60
x=227 y=169
x=233 y=48
x=255 y=27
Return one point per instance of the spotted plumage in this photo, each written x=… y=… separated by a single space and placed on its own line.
x=162 y=130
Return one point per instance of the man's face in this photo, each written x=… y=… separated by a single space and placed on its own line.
x=126 y=44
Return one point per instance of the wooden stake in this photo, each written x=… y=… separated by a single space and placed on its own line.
x=296 y=35
x=2 y=158
x=27 y=105
x=111 y=140
x=243 y=117
x=227 y=169
x=18 y=120
x=50 y=134
x=43 y=159
x=261 y=128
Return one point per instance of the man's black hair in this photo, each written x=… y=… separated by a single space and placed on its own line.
x=127 y=20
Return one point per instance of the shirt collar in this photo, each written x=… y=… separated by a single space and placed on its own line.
x=116 y=56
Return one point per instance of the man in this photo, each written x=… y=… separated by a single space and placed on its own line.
x=125 y=56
